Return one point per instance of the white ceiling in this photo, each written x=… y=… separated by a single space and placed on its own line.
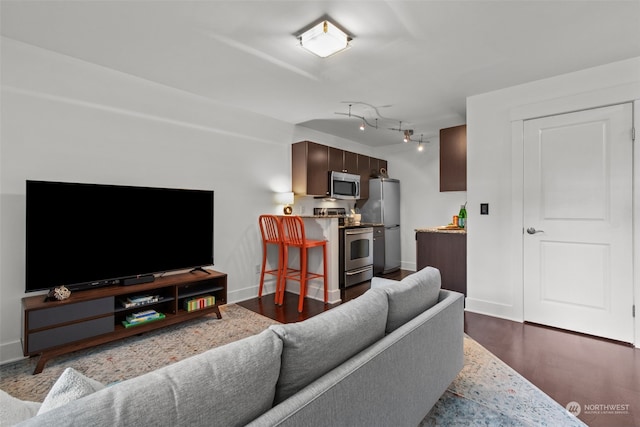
x=416 y=61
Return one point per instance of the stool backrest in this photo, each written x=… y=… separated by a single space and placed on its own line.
x=270 y=228
x=293 y=230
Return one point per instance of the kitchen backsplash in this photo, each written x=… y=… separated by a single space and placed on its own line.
x=303 y=205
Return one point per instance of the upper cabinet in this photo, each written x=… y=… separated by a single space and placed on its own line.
x=364 y=171
x=453 y=158
x=376 y=166
x=312 y=162
x=342 y=161
x=309 y=167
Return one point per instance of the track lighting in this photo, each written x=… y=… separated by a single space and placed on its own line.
x=364 y=122
x=421 y=144
x=406 y=133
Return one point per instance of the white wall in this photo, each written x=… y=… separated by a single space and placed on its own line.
x=494 y=175
x=68 y=120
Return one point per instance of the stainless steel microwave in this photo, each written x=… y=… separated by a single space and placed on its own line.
x=344 y=185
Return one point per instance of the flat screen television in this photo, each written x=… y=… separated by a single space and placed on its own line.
x=88 y=235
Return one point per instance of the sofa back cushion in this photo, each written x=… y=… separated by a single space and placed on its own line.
x=227 y=386
x=317 y=345
x=411 y=296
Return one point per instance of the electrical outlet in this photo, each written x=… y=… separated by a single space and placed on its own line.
x=484 y=208
x=258 y=268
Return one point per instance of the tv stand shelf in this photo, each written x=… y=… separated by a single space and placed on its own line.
x=93 y=317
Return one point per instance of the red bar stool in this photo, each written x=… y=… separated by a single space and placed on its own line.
x=294 y=236
x=271 y=231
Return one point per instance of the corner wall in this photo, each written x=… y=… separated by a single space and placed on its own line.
x=494 y=259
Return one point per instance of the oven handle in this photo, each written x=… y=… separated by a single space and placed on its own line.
x=358 y=271
x=358 y=230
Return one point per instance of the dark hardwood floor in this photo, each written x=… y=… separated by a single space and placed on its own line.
x=569 y=367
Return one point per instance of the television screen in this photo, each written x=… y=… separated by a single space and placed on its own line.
x=86 y=235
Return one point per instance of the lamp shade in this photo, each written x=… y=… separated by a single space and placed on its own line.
x=324 y=39
x=284 y=198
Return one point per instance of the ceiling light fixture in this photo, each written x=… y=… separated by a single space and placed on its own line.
x=324 y=39
x=407 y=133
x=364 y=122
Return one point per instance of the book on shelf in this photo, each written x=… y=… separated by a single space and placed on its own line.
x=129 y=322
x=198 y=303
x=134 y=301
x=142 y=316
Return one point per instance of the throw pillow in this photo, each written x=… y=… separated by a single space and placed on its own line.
x=70 y=386
x=13 y=410
x=319 y=344
x=411 y=296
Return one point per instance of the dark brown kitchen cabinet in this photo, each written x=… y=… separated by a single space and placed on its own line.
x=375 y=165
x=453 y=158
x=364 y=172
x=309 y=168
x=446 y=251
x=378 y=250
x=311 y=163
x=342 y=161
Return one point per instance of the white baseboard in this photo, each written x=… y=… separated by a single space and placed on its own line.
x=11 y=352
x=489 y=308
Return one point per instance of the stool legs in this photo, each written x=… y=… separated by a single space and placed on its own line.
x=264 y=264
x=303 y=277
x=324 y=270
x=271 y=232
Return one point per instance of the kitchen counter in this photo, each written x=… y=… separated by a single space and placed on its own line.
x=321 y=216
x=441 y=230
x=361 y=225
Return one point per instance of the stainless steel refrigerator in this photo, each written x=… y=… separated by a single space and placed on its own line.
x=383 y=207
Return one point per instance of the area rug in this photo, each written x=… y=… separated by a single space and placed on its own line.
x=134 y=356
x=487 y=392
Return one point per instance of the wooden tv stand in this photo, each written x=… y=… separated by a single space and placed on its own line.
x=93 y=317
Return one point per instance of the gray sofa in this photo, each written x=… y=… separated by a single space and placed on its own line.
x=383 y=358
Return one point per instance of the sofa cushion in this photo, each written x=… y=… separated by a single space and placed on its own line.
x=317 y=345
x=71 y=385
x=14 y=410
x=411 y=296
x=227 y=386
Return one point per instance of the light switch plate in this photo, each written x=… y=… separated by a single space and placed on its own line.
x=484 y=208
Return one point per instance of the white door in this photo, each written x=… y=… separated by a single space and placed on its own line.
x=578 y=252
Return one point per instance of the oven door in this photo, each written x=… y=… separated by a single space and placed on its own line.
x=358 y=248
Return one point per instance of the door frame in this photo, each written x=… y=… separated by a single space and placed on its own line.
x=596 y=99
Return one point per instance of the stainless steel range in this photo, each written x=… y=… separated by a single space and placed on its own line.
x=356 y=255
x=356 y=248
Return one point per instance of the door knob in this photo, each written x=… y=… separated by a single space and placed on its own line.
x=532 y=230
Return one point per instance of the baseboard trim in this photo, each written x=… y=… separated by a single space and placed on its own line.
x=11 y=352
x=491 y=309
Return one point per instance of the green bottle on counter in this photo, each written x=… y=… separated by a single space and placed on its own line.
x=462 y=216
